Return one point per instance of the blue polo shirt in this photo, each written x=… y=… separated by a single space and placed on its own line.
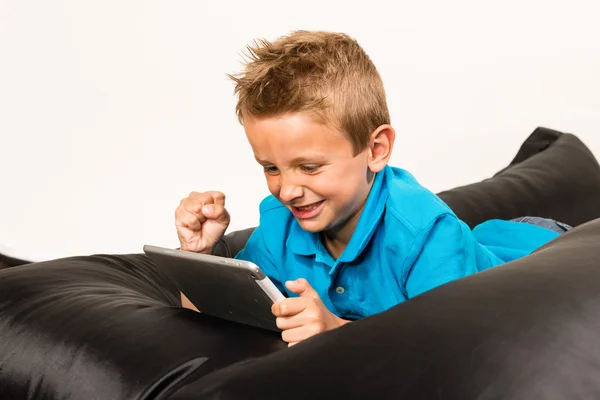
x=407 y=241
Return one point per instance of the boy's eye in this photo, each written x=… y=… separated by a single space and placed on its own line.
x=310 y=168
x=271 y=170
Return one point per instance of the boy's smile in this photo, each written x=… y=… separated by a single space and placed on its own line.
x=312 y=169
x=308 y=211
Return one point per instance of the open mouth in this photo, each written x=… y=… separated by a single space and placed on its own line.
x=308 y=211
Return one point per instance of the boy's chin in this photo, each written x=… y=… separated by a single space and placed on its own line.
x=313 y=226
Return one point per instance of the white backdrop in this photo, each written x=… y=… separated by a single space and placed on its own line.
x=112 y=111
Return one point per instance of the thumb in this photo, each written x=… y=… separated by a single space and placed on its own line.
x=302 y=287
x=216 y=212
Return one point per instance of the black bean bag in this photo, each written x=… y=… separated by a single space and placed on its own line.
x=554 y=175
x=110 y=326
x=529 y=329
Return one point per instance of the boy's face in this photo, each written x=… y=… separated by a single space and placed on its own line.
x=311 y=168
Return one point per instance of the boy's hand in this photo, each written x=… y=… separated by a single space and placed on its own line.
x=304 y=316
x=201 y=220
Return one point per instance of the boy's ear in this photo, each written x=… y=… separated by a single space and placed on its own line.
x=381 y=144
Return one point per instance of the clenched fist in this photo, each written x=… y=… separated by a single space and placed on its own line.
x=201 y=220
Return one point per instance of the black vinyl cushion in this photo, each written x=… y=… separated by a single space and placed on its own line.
x=554 y=175
x=525 y=330
x=110 y=326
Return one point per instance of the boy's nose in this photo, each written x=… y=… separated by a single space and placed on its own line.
x=288 y=192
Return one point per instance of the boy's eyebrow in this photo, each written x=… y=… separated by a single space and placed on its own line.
x=313 y=158
x=296 y=160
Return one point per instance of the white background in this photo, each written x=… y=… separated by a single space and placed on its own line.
x=112 y=111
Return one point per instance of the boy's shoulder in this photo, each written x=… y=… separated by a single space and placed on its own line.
x=411 y=204
x=270 y=204
x=275 y=224
x=274 y=216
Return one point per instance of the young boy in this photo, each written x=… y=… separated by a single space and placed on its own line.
x=344 y=234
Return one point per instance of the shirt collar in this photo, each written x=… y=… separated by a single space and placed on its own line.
x=306 y=243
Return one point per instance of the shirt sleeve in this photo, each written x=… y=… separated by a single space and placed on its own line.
x=256 y=251
x=442 y=252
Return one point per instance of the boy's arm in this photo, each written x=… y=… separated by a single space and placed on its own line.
x=442 y=253
x=186 y=303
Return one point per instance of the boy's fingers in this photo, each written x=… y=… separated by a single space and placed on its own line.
x=215 y=212
x=188 y=220
x=193 y=204
x=217 y=197
x=302 y=287
x=289 y=307
x=294 y=321
x=298 y=334
x=200 y=199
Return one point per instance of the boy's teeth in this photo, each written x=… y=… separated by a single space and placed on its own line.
x=309 y=207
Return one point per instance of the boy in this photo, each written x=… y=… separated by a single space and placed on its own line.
x=344 y=234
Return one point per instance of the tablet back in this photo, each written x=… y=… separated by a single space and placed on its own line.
x=220 y=287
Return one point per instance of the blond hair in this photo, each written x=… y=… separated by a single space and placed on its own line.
x=321 y=73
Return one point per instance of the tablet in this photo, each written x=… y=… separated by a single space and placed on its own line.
x=226 y=288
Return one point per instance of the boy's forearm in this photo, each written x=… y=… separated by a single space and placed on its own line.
x=186 y=303
x=343 y=322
